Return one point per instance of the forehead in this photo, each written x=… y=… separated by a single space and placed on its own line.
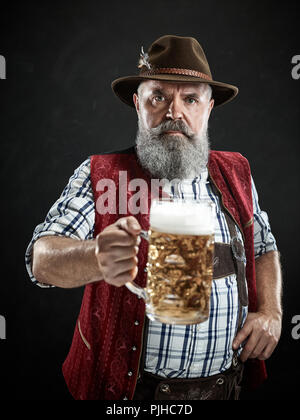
x=153 y=85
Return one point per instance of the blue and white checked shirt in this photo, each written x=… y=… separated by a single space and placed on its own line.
x=172 y=351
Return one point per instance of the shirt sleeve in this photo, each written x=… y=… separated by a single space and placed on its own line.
x=72 y=215
x=264 y=240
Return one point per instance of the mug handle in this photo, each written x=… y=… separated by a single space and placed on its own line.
x=132 y=286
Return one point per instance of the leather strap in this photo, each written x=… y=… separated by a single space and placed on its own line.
x=239 y=259
x=238 y=256
x=223 y=261
x=240 y=270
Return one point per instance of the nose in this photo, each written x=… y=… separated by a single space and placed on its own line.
x=174 y=111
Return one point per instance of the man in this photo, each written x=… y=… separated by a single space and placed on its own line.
x=115 y=354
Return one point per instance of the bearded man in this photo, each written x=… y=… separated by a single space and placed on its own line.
x=117 y=353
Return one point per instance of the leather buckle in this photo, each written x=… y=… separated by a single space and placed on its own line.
x=238 y=249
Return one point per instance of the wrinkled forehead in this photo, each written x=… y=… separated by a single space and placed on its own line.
x=149 y=86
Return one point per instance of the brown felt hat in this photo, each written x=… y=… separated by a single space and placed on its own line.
x=174 y=59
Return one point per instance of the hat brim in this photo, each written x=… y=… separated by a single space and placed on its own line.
x=125 y=87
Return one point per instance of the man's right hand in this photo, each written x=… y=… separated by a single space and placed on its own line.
x=116 y=251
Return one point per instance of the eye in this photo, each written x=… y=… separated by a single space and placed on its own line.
x=191 y=100
x=158 y=98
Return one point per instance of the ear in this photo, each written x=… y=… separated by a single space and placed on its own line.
x=136 y=102
x=211 y=105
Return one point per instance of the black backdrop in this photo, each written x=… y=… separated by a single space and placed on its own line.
x=57 y=108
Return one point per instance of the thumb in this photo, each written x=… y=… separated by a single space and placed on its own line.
x=242 y=335
x=130 y=225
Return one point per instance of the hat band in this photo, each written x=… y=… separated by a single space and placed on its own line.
x=185 y=72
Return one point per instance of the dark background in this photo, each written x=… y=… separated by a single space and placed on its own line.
x=57 y=108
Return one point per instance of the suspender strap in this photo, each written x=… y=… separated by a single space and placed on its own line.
x=238 y=256
x=223 y=262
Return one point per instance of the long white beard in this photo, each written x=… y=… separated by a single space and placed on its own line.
x=170 y=156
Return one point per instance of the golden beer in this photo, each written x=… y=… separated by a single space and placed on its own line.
x=180 y=261
x=180 y=270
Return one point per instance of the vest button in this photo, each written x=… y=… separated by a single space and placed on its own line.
x=130 y=373
x=133 y=348
x=136 y=323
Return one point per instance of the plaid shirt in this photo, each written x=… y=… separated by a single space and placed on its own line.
x=172 y=350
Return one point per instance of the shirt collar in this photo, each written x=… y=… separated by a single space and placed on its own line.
x=185 y=186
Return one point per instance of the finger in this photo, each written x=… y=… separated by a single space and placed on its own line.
x=114 y=238
x=252 y=341
x=120 y=253
x=124 y=278
x=267 y=352
x=126 y=240
x=123 y=266
x=130 y=225
x=259 y=348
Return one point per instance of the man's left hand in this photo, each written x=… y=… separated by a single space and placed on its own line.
x=262 y=331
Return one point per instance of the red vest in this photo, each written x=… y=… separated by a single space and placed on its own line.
x=103 y=360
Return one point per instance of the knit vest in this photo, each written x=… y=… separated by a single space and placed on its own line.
x=103 y=361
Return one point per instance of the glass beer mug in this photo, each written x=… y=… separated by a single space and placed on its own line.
x=180 y=261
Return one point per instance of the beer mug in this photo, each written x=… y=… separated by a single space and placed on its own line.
x=180 y=261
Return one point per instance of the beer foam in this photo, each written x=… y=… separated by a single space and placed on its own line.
x=182 y=218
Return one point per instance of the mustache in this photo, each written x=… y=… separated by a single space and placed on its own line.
x=177 y=125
